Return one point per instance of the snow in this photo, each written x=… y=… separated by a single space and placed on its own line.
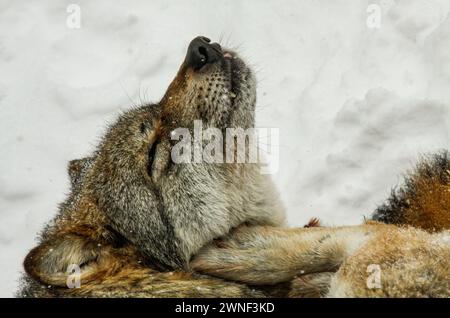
x=355 y=106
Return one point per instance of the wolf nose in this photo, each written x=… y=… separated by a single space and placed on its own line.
x=201 y=52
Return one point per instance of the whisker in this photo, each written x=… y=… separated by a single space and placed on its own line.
x=133 y=103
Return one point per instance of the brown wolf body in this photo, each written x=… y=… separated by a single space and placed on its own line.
x=371 y=260
x=411 y=258
x=134 y=219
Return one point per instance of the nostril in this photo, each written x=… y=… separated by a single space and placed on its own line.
x=203 y=54
x=217 y=47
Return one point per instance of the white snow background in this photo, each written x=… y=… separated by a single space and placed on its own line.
x=355 y=106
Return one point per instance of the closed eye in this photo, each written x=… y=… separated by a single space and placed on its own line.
x=151 y=157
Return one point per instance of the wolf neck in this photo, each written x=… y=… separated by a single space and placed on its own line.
x=237 y=194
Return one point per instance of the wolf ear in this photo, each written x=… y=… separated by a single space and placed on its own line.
x=77 y=169
x=55 y=260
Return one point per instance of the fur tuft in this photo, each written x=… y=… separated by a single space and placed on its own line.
x=424 y=199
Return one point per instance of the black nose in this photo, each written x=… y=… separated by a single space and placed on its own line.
x=201 y=52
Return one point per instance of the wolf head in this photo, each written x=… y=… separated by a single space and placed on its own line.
x=169 y=210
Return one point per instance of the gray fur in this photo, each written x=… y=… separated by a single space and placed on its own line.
x=168 y=211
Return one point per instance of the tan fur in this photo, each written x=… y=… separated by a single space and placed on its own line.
x=423 y=200
x=432 y=197
x=413 y=263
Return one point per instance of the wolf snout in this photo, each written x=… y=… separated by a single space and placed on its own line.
x=202 y=52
